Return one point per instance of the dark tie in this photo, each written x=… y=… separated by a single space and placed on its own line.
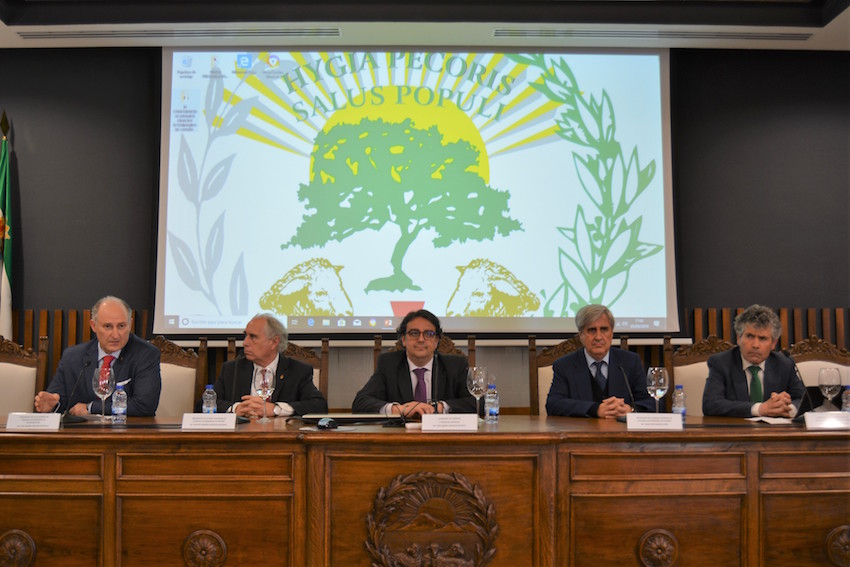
x=756 y=394
x=104 y=370
x=600 y=377
x=421 y=393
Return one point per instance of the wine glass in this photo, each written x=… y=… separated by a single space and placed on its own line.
x=265 y=391
x=476 y=383
x=829 y=382
x=103 y=389
x=657 y=383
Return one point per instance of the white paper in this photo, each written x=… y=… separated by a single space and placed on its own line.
x=827 y=420
x=21 y=421
x=209 y=421
x=449 y=422
x=654 y=421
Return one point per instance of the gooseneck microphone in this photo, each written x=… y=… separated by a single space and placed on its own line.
x=434 y=397
x=628 y=386
x=799 y=417
x=66 y=417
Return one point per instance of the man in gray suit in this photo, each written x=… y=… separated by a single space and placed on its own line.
x=404 y=382
x=752 y=379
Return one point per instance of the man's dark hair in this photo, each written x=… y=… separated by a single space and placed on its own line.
x=425 y=314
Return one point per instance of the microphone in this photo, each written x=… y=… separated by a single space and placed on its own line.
x=628 y=386
x=66 y=417
x=239 y=357
x=799 y=417
x=435 y=400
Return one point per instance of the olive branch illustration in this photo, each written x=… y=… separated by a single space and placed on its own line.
x=197 y=267
x=603 y=245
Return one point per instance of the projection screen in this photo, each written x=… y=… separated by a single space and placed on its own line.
x=340 y=190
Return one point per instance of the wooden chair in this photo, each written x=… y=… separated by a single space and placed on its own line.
x=22 y=374
x=184 y=376
x=540 y=373
x=446 y=346
x=814 y=353
x=689 y=365
x=320 y=363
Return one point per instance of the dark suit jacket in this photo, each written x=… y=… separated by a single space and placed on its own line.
x=571 y=393
x=137 y=369
x=727 y=390
x=391 y=383
x=293 y=385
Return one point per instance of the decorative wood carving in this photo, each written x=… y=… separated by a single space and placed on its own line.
x=431 y=519
x=445 y=346
x=174 y=354
x=17 y=549
x=815 y=348
x=204 y=548
x=11 y=351
x=700 y=350
x=302 y=354
x=838 y=546
x=658 y=548
x=550 y=354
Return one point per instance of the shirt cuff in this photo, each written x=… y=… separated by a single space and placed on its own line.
x=283 y=409
x=754 y=410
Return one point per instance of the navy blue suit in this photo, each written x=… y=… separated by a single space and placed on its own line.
x=727 y=391
x=391 y=383
x=293 y=385
x=137 y=368
x=571 y=393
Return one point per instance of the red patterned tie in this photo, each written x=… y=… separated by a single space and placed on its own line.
x=104 y=370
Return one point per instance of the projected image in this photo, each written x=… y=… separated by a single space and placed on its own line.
x=502 y=191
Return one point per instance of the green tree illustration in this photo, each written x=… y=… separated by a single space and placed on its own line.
x=602 y=246
x=367 y=175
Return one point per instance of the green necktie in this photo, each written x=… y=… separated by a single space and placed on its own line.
x=756 y=395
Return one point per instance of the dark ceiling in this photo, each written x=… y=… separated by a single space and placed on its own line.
x=792 y=13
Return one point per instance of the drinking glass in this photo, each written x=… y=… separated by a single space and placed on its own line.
x=829 y=382
x=103 y=389
x=476 y=383
x=657 y=383
x=265 y=391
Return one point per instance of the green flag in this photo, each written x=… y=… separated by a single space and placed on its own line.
x=5 y=224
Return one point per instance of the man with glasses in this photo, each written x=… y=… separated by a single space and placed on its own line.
x=416 y=380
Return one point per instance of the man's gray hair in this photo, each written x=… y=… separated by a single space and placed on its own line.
x=590 y=313
x=274 y=328
x=760 y=317
x=111 y=299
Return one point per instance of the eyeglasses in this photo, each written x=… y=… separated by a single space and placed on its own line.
x=414 y=334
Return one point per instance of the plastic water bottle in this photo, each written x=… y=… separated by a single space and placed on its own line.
x=679 y=401
x=208 y=400
x=119 y=405
x=845 y=399
x=491 y=404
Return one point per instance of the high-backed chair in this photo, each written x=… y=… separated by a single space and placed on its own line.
x=22 y=373
x=540 y=373
x=690 y=369
x=814 y=353
x=446 y=346
x=184 y=376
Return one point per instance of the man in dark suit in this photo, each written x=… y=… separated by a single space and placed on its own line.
x=403 y=382
x=263 y=347
x=752 y=379
x=598 y=381
x=135 y=363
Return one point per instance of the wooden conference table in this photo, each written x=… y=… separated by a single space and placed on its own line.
x=529 y=491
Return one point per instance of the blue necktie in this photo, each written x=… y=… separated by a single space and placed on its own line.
x=600 y=377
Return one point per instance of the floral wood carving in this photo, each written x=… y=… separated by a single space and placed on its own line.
x=815 y=348
x=658 y=548
x=704 y=348
x=17 y=549
x=173 y=353
x=838 y=546
x=301 y=353
x=204 y=548
x=11 y=351
x=431 y=519
x=550 y=354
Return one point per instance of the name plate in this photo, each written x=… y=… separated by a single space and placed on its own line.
x=450 y=422
x=20 y=421
x=209 y=421
x=827 y=420
x=654 y=421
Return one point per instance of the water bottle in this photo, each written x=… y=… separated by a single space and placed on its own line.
x=208 y=400
x=491 y=404
x=845 y=399
x=679 y=399
x=119 y=405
